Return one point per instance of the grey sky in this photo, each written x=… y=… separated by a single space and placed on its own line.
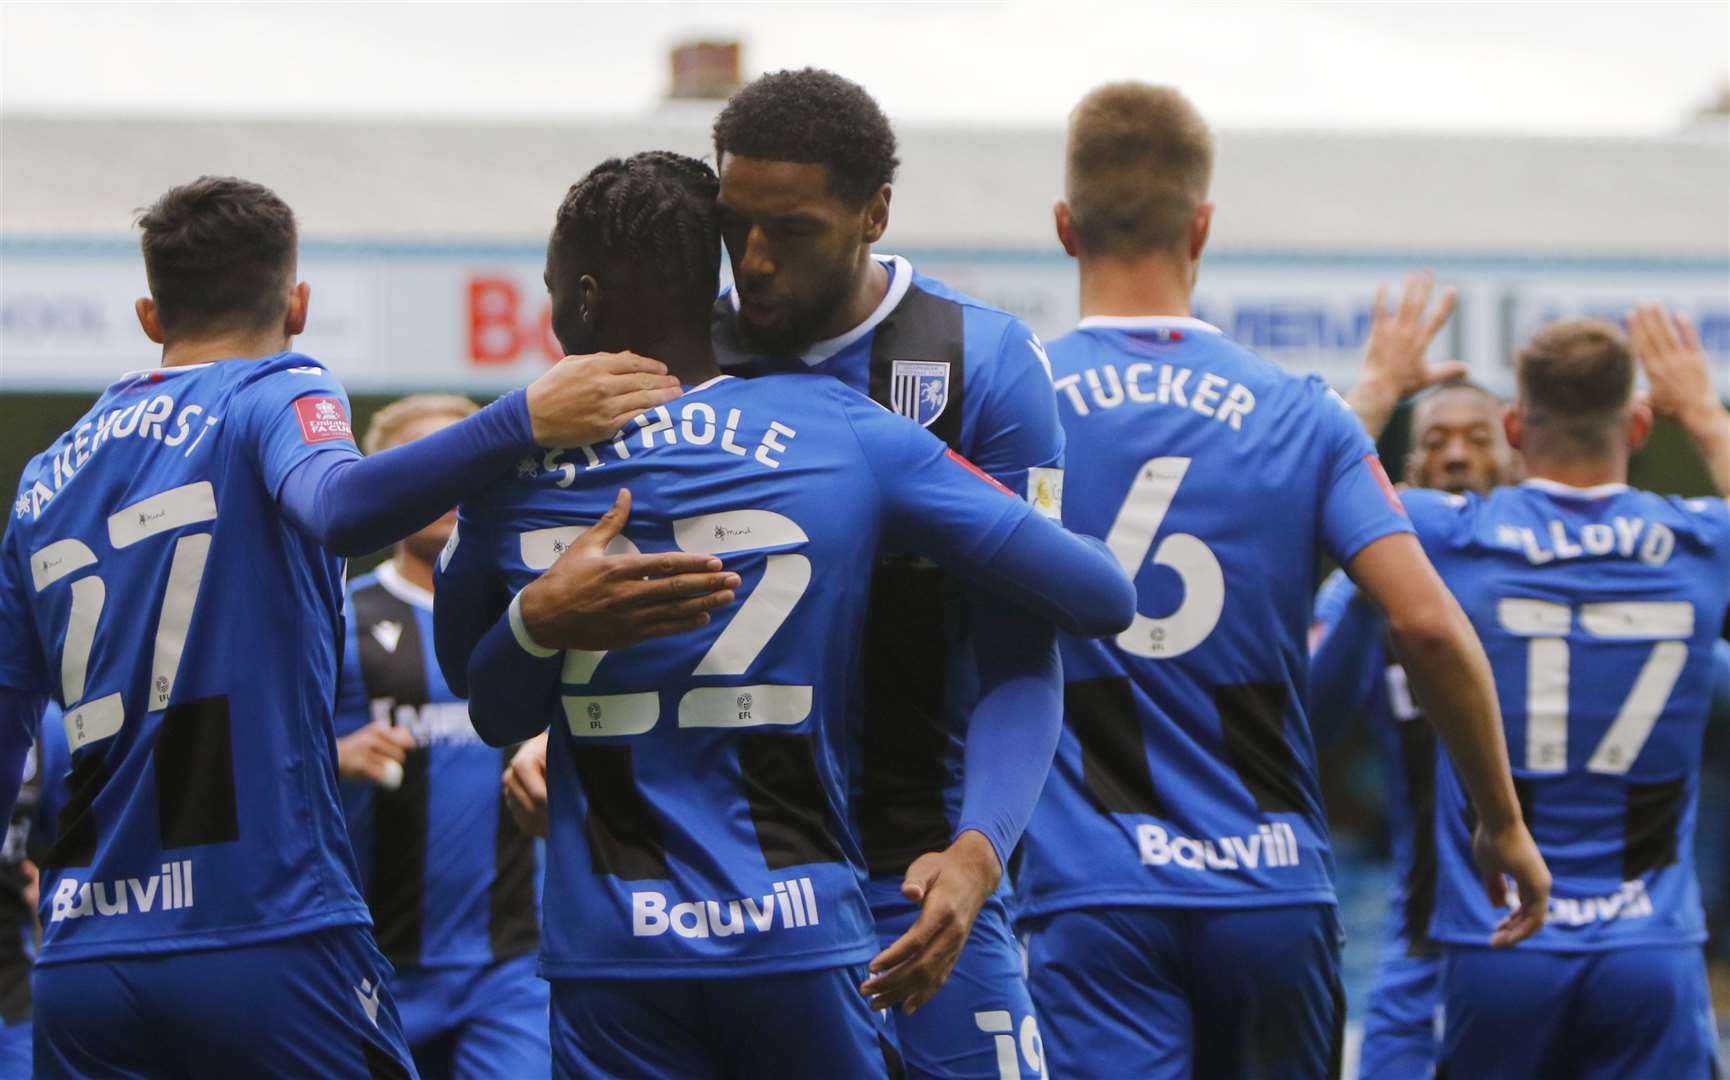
x=1551 y=68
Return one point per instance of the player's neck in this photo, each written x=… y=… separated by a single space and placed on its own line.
x=1579 y=473
x=869 y=288
x=414 y=570
x=689 y=356
x=248 y=346
x=1147 y=285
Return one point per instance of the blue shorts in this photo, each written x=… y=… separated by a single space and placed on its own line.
x=14 y=1050
x=1189 y=992
x=314 y=1005
x=1535 y=1015
x=811 y=1023
x=1400 y=1031
x=980 y=1026
x=475 y=1021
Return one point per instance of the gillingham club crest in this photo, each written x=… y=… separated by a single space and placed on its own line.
x=919 y=389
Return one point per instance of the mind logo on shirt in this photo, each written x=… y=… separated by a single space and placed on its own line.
x=919 y=389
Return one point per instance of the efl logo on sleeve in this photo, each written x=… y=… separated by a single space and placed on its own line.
x=322 y=419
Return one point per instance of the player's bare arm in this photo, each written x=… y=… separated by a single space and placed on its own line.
x=585 y=399
x=1450 y=675
x=589 y=599
x=1668 y=346
x=1394 y=364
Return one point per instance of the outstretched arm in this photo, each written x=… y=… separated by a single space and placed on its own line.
x=1394 y=366
x=1668 y=347
x=353 y=506
x=1064 y=578
x=1450 y=675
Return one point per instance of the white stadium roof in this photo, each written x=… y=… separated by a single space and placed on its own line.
x=68 y=176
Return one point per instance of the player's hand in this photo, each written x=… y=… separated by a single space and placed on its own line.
x=1668 y=347
x=950 y=887
x=525 y=784
x=375 y=754
x=591 y=600
x=32 y=885
x=584 y=399
x=1394 y=366
x=1512 y=852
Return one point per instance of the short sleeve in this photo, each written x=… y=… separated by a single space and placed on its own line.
x=291 y=414
x=934 y=501
x=21 y=658
x=1360 y=504
x=1017 y=436
x=352 y=708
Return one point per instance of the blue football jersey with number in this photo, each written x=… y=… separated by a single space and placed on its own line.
x=699 y=815
x=149 y=585
x=977 y=378
x=1598 y=609
x=1186 y=773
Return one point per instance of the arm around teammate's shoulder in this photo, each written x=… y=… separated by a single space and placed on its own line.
x=936 y=502
x=1450 y=676
x=351 y=506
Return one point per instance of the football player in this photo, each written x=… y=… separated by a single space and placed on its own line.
x=705 y=909
x=172 y=576
x=1599 y=606
x=1176 y=892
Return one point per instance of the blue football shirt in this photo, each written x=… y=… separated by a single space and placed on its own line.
x=700 y=821
x=977 y=378
x=1186 y=772
x=1598 y=609
x=152 y=588
x=449 y=877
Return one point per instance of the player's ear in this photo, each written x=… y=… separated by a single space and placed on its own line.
x=876 y=215
x=148 y=318
x=1199 y=227
x=1639 y=425
x=1065 y=227
x=1512 y=426
x=299 y=300
x=589 y=303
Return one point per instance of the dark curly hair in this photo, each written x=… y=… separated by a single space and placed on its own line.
x=815 y=117
x=219 y=254
x=654 y=211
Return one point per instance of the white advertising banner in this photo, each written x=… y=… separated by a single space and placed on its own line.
x=392 y=318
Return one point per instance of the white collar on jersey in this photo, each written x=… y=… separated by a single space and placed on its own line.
x=1556 y=487
x=900 y=280
x=402 y=588
x=1146 y=322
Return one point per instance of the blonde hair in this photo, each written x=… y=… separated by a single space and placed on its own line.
x=390 y=420
x=1138 y=164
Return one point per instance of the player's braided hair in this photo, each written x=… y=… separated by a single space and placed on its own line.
x=815 y=117
x=655 y=211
